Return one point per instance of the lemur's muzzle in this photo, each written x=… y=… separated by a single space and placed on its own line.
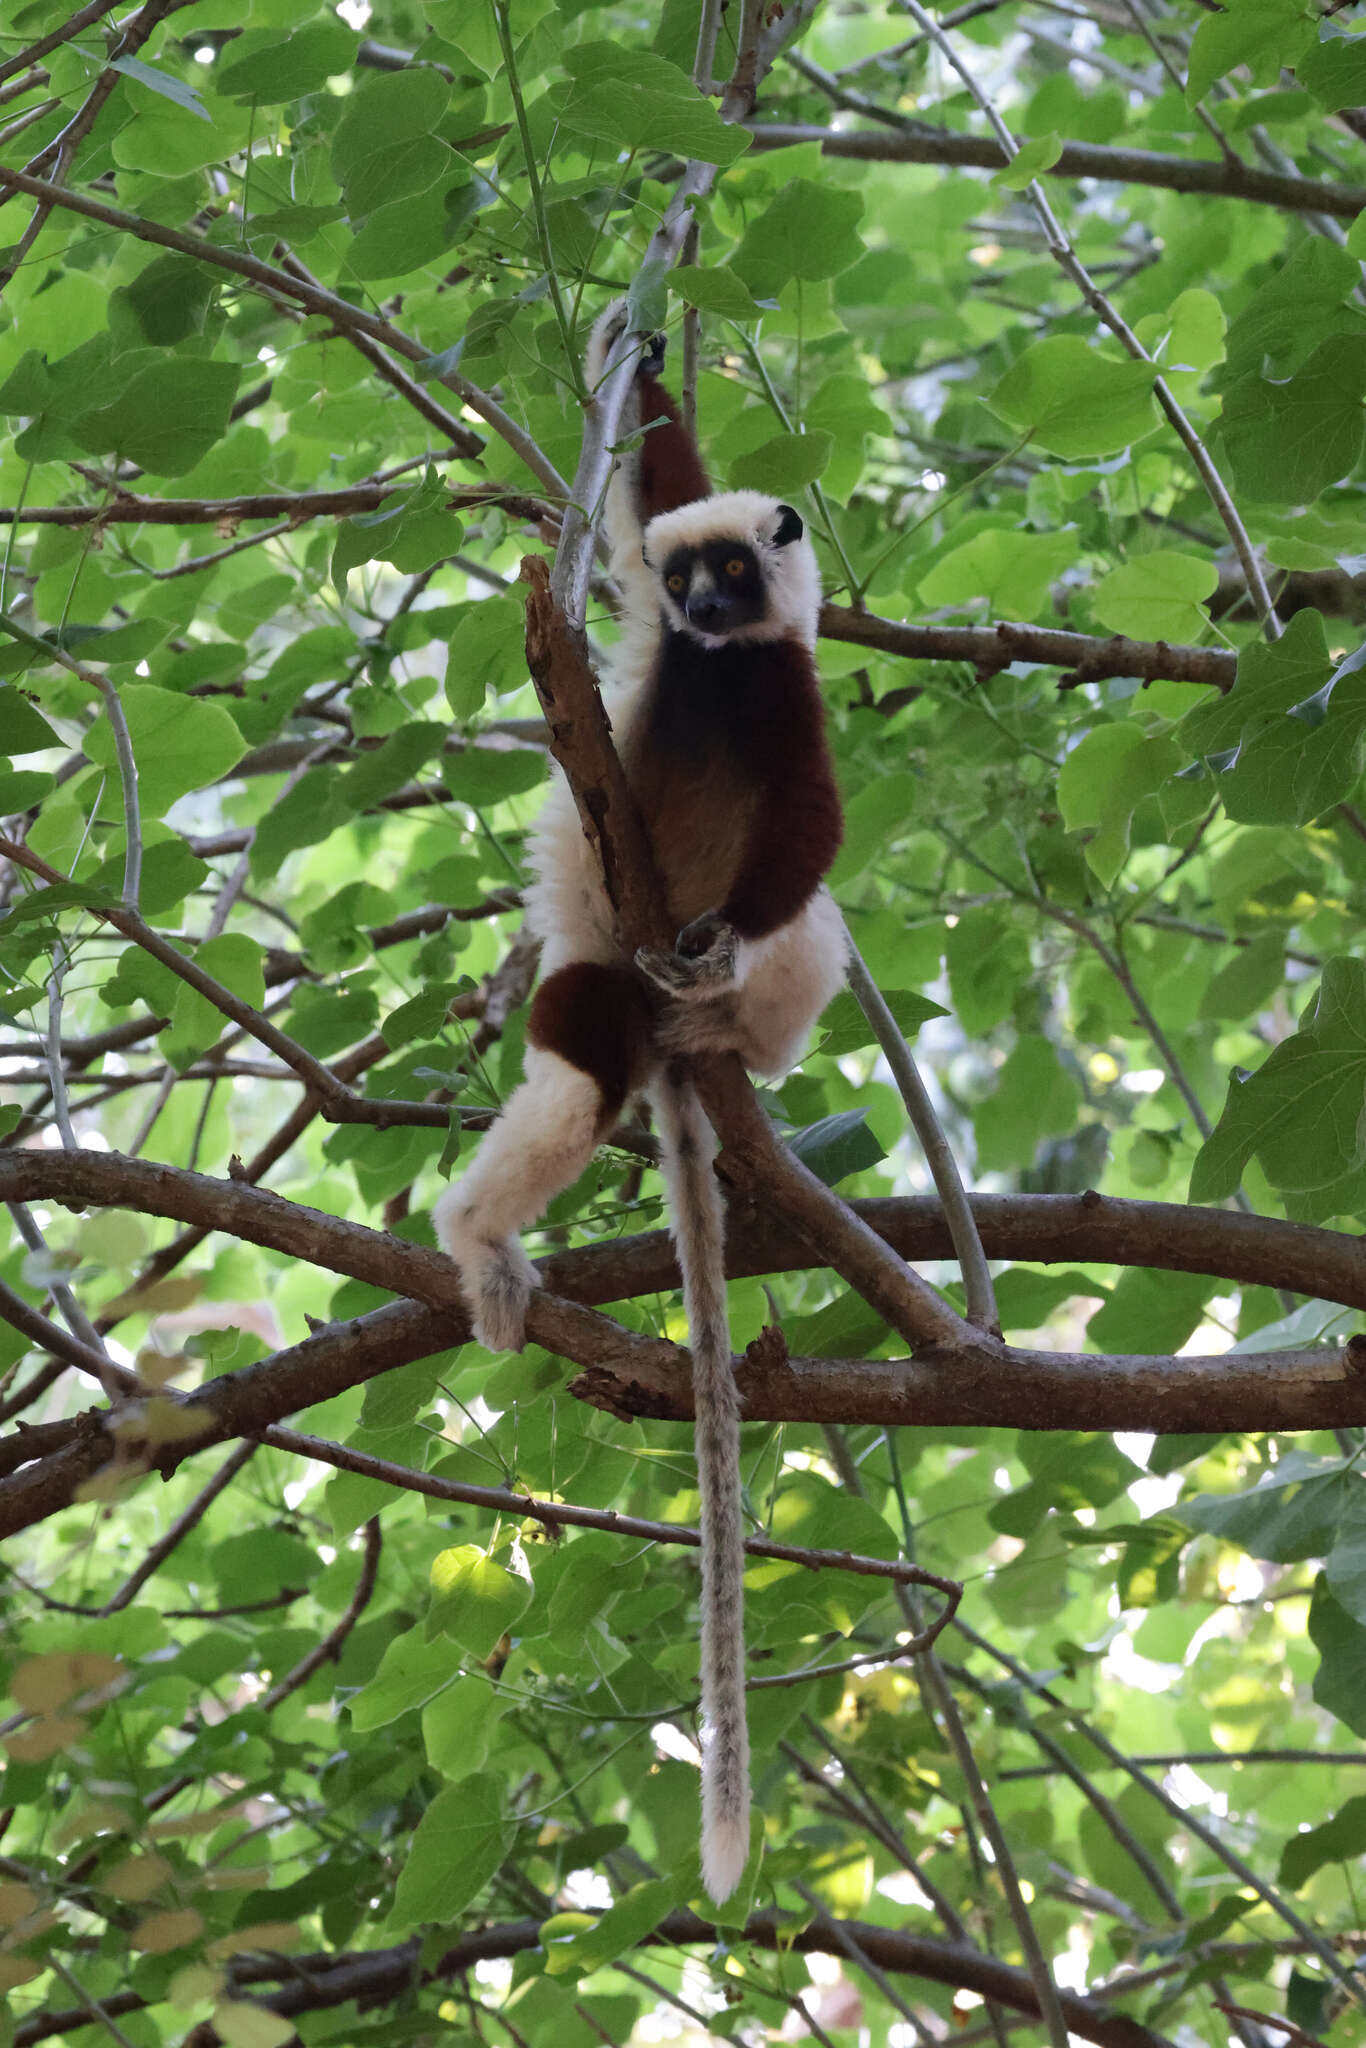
x=711 y=611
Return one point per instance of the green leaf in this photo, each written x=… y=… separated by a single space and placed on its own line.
x=808 y=231
x=412 y=529
x=848 y=1030
x=1247 y=982
x=1031 y=158
x=460 y=1841
x=988 y=961
x=411 y=1672
x=168 y=300
x=784 y=465
x=714 y=291
x=1298 y=305
x=179 y=743
x=385 y=147
x=422 y=1017
x=1011 y=569
x=1150 y=1311
x=616 y=1932
x=196 y=1023
x=1264 y=35
x=459 y=1725
x=1035 y=1098
x=483 y=776
x=1067 y=1471
x=475 y=1599
x=1339 y=1840
x=255 y=1564
x=1076 y=400
x=1275 y=763
x=167 y=417
x=634 y=100
x=1290 y=1515
x=1102 y=782
x=1158 y=596
x=486 y=653
x=1303 y=1113
x=271 y=68
x=837 y=1146
x=22 y=729
x=163 y=82
x=54 y=896
x=881 y=813
x=1026 y=1298
x=1340 y=1681
x=170 y=872
x=1334 y=68
x=1287 y=442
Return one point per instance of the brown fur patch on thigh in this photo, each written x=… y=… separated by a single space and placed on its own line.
x=600 y=1019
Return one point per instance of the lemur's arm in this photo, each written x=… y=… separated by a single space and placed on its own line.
x=664 y=470
x=796 y=831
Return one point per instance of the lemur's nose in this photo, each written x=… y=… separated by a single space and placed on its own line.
x=708 y=610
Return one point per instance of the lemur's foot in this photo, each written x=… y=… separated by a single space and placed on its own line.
x=609 y=325
x=496 y=1276
x=505 y=1280
x=702 y=963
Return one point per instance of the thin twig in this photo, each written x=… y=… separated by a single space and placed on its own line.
x=967 y=1242
x=565 y=1514
x=331 y=1644
x=55 y=37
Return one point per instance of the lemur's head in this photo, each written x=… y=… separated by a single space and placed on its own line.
x=735 y=567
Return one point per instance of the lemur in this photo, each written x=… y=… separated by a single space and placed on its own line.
x=721 y=731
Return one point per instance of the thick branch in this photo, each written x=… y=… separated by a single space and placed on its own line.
x=318 y=1983
x=1087 y=657
x=125 y=508
x=1260 y=1251
x=921 y=144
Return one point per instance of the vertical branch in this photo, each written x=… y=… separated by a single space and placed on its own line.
x=52 y=1040
x=967 y=1242
x=128 y=782
x=708 y=27
x=70 y=1310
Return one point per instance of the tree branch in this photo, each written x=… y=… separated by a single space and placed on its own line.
x=126 y=508
x=322 y=1982
x=919 y=143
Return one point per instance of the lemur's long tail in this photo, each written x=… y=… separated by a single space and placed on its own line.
x=697 y=1219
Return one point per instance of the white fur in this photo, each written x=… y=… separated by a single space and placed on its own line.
x=543 y=1140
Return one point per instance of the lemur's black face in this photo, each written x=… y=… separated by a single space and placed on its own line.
x=718 y=586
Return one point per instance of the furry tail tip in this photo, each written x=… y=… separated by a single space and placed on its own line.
x=725 y=1852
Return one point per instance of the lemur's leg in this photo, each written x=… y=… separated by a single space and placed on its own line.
x=589 y=1039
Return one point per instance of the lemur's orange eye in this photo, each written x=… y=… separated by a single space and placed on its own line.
x=735 y=567
x=675 y=584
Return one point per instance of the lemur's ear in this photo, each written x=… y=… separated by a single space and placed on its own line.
x=789 y=527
